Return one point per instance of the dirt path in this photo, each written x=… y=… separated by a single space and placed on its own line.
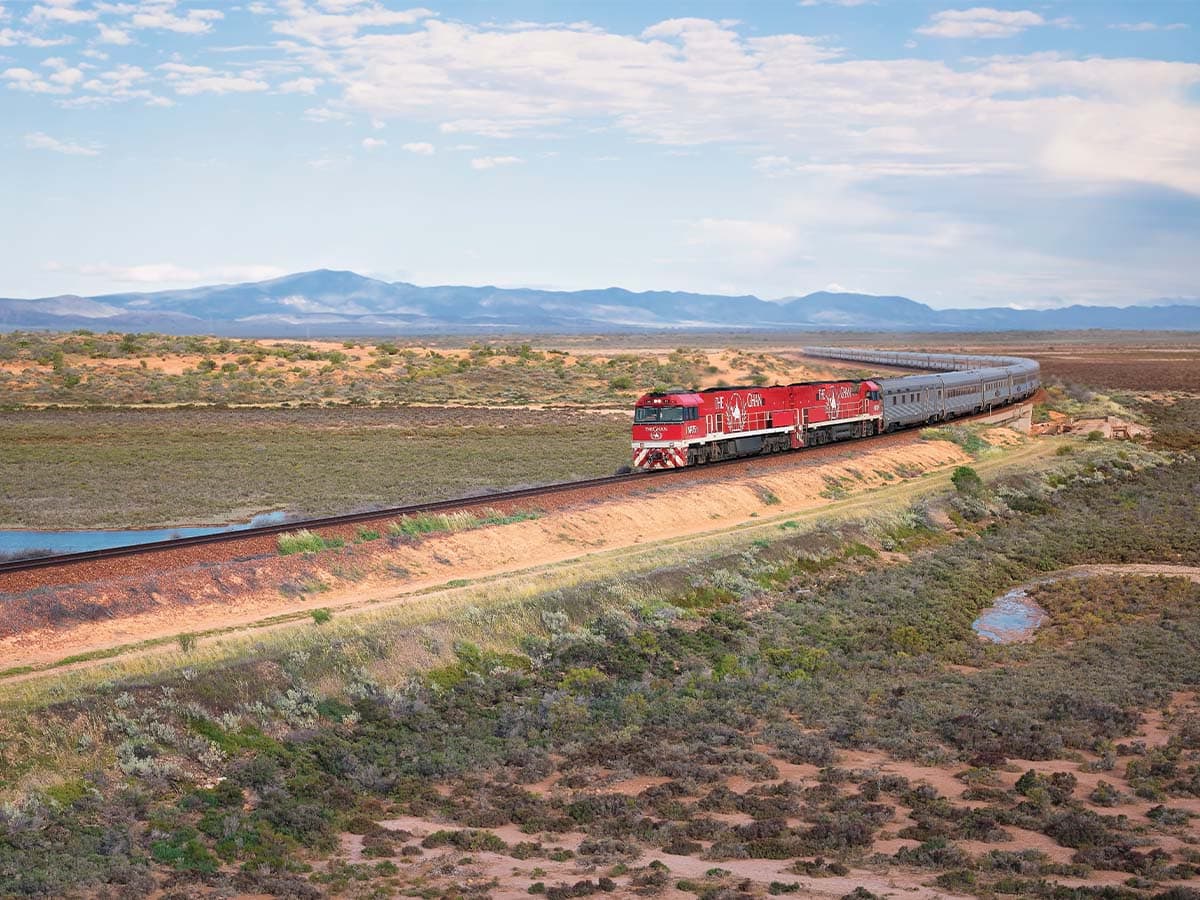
x=1091 y=571
x=446 y=570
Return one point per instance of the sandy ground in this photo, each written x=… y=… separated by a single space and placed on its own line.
x=240 y=594
x=512 y=877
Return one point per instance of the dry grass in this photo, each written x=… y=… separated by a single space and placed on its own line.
x=127 y=468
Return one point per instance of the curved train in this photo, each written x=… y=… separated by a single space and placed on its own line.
x=674 y=429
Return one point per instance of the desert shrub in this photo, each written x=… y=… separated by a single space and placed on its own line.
x=1080 y=828
x=608 y=850
x=967 y=481
x=937 y=853
x=1104 y=794
x=798 y=746
x=1162 y=815
x=465 y=839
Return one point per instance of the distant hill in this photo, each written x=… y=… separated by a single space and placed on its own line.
x=328 y=302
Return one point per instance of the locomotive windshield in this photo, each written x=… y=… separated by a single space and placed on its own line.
x=646 y=414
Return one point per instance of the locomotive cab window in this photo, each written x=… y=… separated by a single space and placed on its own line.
x=650 y=414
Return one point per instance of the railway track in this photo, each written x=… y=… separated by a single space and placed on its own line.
x=63 y=559
x=503 y=498
x=498 y=498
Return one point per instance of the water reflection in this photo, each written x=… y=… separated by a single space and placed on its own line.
x=21 y=543
x=1013 y=617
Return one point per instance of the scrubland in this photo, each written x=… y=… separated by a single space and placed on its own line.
x=812 y=709
x=806 y=711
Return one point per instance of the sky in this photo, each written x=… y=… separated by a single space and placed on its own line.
x=1025 y=154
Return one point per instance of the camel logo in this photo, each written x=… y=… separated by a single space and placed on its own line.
x=831 y=406
x=737 y=413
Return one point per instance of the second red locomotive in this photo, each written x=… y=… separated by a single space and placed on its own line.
x=681 y=428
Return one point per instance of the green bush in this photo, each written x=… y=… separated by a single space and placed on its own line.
x=967 y=481
x=305 y=541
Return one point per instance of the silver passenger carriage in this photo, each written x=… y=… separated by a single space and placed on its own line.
x=960 y=386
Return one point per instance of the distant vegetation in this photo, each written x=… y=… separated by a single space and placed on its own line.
x=83 y=368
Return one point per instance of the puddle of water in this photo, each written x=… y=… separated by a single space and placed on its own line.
x=50 y=543
x=1014 y=617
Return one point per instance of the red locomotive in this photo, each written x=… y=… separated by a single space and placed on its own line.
x=682 y=428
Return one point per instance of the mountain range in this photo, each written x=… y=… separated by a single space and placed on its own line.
x=339 y=303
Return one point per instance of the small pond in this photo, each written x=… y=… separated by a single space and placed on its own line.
x=1013 y=618
x=50 y=543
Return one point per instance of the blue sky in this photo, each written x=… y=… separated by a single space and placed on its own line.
x=1029 y=154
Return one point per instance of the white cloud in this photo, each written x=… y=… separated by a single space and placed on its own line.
x=189 y=80
x=147 y=273
x=329 y=162
x=1156 y=143
x=419 y=147
x=373 y=143
x=1148 y=26
x=332 y=23
x=61 y=12
x=111 y=35
x=40 y=141
x=22 y=79
x=688 y=82
x=48 y=42
x=160 y=15
x=481 y=163
x=166 y=273
x=63 y=75
x=325 y=114
x=300 y=86
x=980 y=22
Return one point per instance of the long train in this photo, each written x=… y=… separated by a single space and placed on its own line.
x=685 y=428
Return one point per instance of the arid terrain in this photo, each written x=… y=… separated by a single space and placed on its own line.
x=140 y=431
x=762 y=680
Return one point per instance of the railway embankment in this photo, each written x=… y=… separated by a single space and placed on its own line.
x=256 y=586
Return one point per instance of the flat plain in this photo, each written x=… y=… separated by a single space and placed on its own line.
x=149 y=430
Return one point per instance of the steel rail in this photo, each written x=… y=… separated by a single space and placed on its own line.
x=62 y=559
